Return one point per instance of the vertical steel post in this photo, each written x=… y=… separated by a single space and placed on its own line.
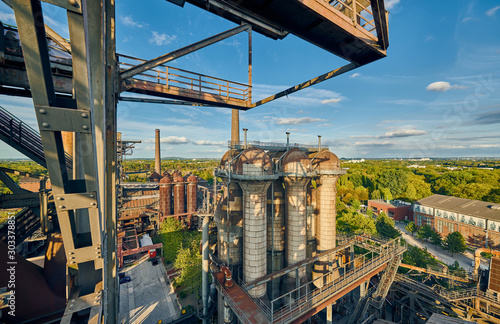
x=250 y=63
x=204 y=275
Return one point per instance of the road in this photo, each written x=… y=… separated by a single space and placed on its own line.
x=465 y=260
x=149 y=297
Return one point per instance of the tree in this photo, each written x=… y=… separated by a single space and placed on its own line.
x=424 y=232
x=455 y=243
x=411 y=228
x=375 y=194
x=356 y=204
x=435 y=238
x=385 y=226
x=189 y=261
x=386 y=193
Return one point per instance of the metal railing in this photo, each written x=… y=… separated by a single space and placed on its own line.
x=359 y=14
x=296 y=302
x=23 y=138
x=241 y=144
x=187 y=80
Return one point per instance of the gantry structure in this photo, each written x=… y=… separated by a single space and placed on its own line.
x=76 y=84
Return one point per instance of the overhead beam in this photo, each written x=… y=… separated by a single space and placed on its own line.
x=303 y=85
x=10 y=183
x=142 y=67
x=161 y=101
x=381 y=23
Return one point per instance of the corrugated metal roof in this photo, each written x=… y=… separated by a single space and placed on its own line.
x=464 y=206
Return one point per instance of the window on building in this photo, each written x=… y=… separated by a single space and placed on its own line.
x=419 y=220
x=451 y=227
x=440 y=226
x=391 y=214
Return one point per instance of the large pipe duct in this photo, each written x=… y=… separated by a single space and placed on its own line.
x=275 y=235
x=204 y=266
x=328 y=168
x=157 y=152
x=256 y=166
x=296 y=165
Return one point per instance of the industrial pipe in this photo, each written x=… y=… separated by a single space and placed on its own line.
x=204 y=264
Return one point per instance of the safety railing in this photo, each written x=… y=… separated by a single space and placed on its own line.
x=273 y=145
x=302 y=298
x=22 y=137
x=359 y=12
x=187 y=80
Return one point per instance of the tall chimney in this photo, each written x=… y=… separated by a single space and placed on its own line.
x=319 y=143
x=287 y=141
x=157 y=152
x=245 y=130
x=235 y=127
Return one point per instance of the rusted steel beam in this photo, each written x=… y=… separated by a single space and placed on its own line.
x=303 y=85
x=181 y=52
x=142 y=249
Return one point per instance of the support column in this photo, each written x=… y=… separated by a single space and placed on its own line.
x=254 y=233
x=329 y=314
x=204 y=265
x=235 y=126
x=157 y=152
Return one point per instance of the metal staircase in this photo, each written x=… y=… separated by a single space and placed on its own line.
x=27 y=222
x=376 y=298
x=23 y=138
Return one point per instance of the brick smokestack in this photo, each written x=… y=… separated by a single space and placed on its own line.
x=157 y=152
x=235 y=126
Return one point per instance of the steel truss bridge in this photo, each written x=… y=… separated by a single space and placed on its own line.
x=75 y=86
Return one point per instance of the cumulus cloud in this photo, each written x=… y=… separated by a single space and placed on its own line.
x=174 y=140
x=297 y=121
x=403 y=133
x=355 y=75
x=492 y=11
x=443 y=86
x=332 y=100
x=161 y=39
x=210 y=143
x=129 y=21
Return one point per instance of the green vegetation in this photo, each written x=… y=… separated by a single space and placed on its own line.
x=200 y=168
x=417 y=257
x=455 y=243
x=411 y=228
x=385 y=226
x=182 y=248
x=350 y=221
x=395 y=179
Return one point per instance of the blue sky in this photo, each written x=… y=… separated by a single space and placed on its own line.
x=436 y=94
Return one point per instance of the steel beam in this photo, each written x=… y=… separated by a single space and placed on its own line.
x=303 y=85
x=181 y=52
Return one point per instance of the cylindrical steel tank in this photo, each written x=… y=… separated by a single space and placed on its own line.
x=296 y=165
x=154 y=177
x=192 y=192
x=179 y=196
x=166 y=195
x=327 y=165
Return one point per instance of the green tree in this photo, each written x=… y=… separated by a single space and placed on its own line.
x=455 y=243
x=435 y=238
x=355 y=204
x=411 y=228
x=417 y=257
x=189 y=261
x=385 y=226
x=386 y=193
x=375 y=194
x=424 y=232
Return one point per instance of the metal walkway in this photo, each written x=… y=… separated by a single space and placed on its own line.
x=314 y=299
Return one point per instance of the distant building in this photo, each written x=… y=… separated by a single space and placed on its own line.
x=396 y=209
x=32 y=184
x=478 y=221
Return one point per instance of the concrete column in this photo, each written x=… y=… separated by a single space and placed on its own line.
x=254 y=233
x=362 y=289
x=204 y=277
x=157 y=152
x=329 y=314
x=275 y=236
x=296 y=226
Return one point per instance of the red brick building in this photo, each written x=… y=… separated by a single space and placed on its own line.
x=478 y=221
x=397 y=210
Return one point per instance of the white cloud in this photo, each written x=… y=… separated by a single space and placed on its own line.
x=484 y=145
x=374 y=143
x=492 y=11
x=128 y=21
x=174 y=140
x=442 y=86
x=403 y=133
x=212 y=143
x=7 y=17
x=355 y=75
x=430 y=38
x=466 y=19
x=389 y=4
x=297 y=121
x=332 y=100
x=161 y=39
